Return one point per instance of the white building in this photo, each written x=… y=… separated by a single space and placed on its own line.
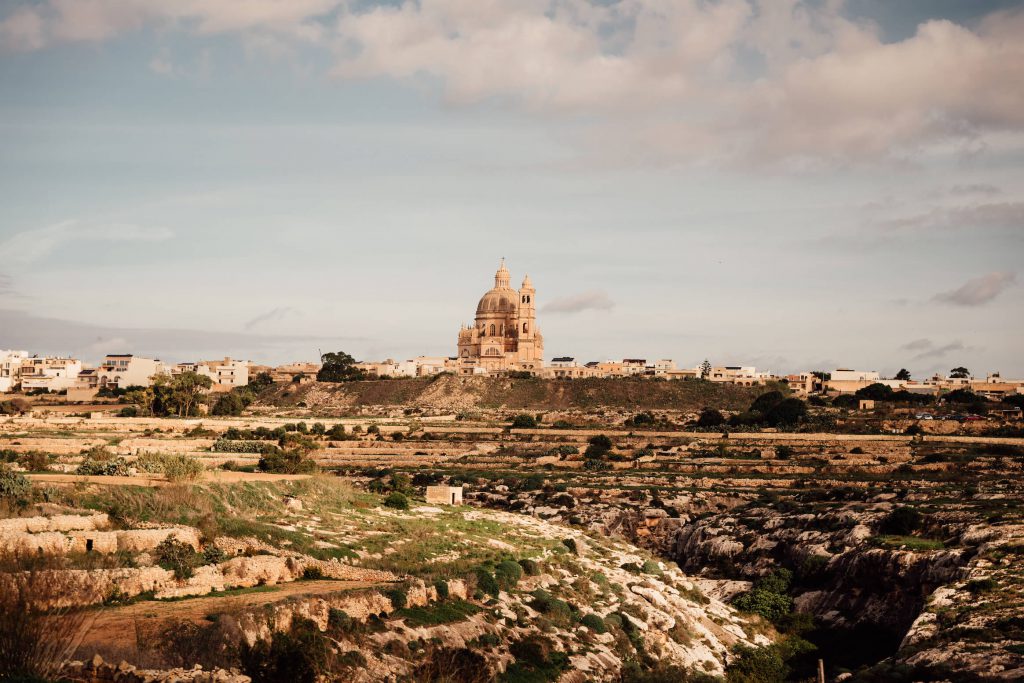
x=847 y=375
x=123 y=370
x=10 y=369
x=226 y=374
x=49 y=373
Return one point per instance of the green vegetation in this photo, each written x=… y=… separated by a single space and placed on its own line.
x=397 y=500
x=15 y=488
x=769 y=596
x=524 y=421
x=438 y=613
x=339 y=367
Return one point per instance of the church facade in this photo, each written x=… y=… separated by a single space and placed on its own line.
x=504 y=336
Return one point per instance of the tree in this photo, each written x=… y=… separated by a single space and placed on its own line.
x=960 y=373
x=524 y=421
x=822 y=375
x=705 y=369
x=903 y=375
x=228 y=404
x=179 y=395
x=875 y=392
x=339 y=367
x=709 y=417
x=788 y=411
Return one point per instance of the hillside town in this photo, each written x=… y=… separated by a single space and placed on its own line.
x=503 y=340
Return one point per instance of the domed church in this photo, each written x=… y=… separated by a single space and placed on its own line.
x=505 y=335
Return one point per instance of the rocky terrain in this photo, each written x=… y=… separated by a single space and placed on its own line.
x=599 y=545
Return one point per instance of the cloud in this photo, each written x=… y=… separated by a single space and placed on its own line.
x=6 y=284
x=33 y=245
x=974 y=189
x=593 y=300
x=917 y=345
x=980 y=216
x=979 y=290
x=749 y=81
x=279 y=313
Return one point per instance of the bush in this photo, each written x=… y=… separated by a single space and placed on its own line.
x=213 y=555
x=397 y=500
x=788 y=411
x=286 y=463
x=902 y=521
x=530 y=567
x=398 y=598
x=103 y=468
x=339 y=620
x=524 y=421
x=299 y=655
x=783 y=452
x=709 y=417
x=508 y=573
x=182 y=468
x=594 y=623
x=441 y=586
x=770 y=605
x=177 y=556
x=228 y=404
x=486 y=582
x=15 y=488
x=570 y=543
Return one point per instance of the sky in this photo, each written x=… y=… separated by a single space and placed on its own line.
x=794 y=185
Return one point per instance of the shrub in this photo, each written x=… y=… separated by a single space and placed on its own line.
x=397 y=500
x=182 y=468
x=338 y=433
x=451 y=664
x=177 y=556
x=570 y=543
x=441 y=587
x=213 y=555
x=286 y=463
x=106 y=468
x=486 y=582
x=15 y=488
x=398 y=598
x=902 y=521
x=339 y=620
x=594 y=623
x=709 y=417
x=299 y=655
x=783 y=452
x=228 y=404
x=530 y=567
x=34 y=645
x=524 y=421
x=312 y=573
x=508 y=573
x=772 y=606
x=788 y=411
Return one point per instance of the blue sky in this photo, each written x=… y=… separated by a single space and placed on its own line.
x=788 y=184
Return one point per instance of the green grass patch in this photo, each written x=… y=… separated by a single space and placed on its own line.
x=438 y=613
x=907 y=542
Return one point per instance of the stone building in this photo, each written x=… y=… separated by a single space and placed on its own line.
x=504 y=335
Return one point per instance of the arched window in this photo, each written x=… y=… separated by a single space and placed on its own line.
x=492 y=329
x=501 y=330
x=526 y=327
x=527 y=298
x=524 y=298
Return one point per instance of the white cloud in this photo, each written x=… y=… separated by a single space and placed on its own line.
x=734 y=80
x=979 y=290
x=33 y=245
x=593 y=300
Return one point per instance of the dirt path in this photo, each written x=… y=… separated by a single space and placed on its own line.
x=126 y=632
x=210 y=476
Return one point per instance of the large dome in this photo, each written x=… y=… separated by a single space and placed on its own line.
x=497 y=301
